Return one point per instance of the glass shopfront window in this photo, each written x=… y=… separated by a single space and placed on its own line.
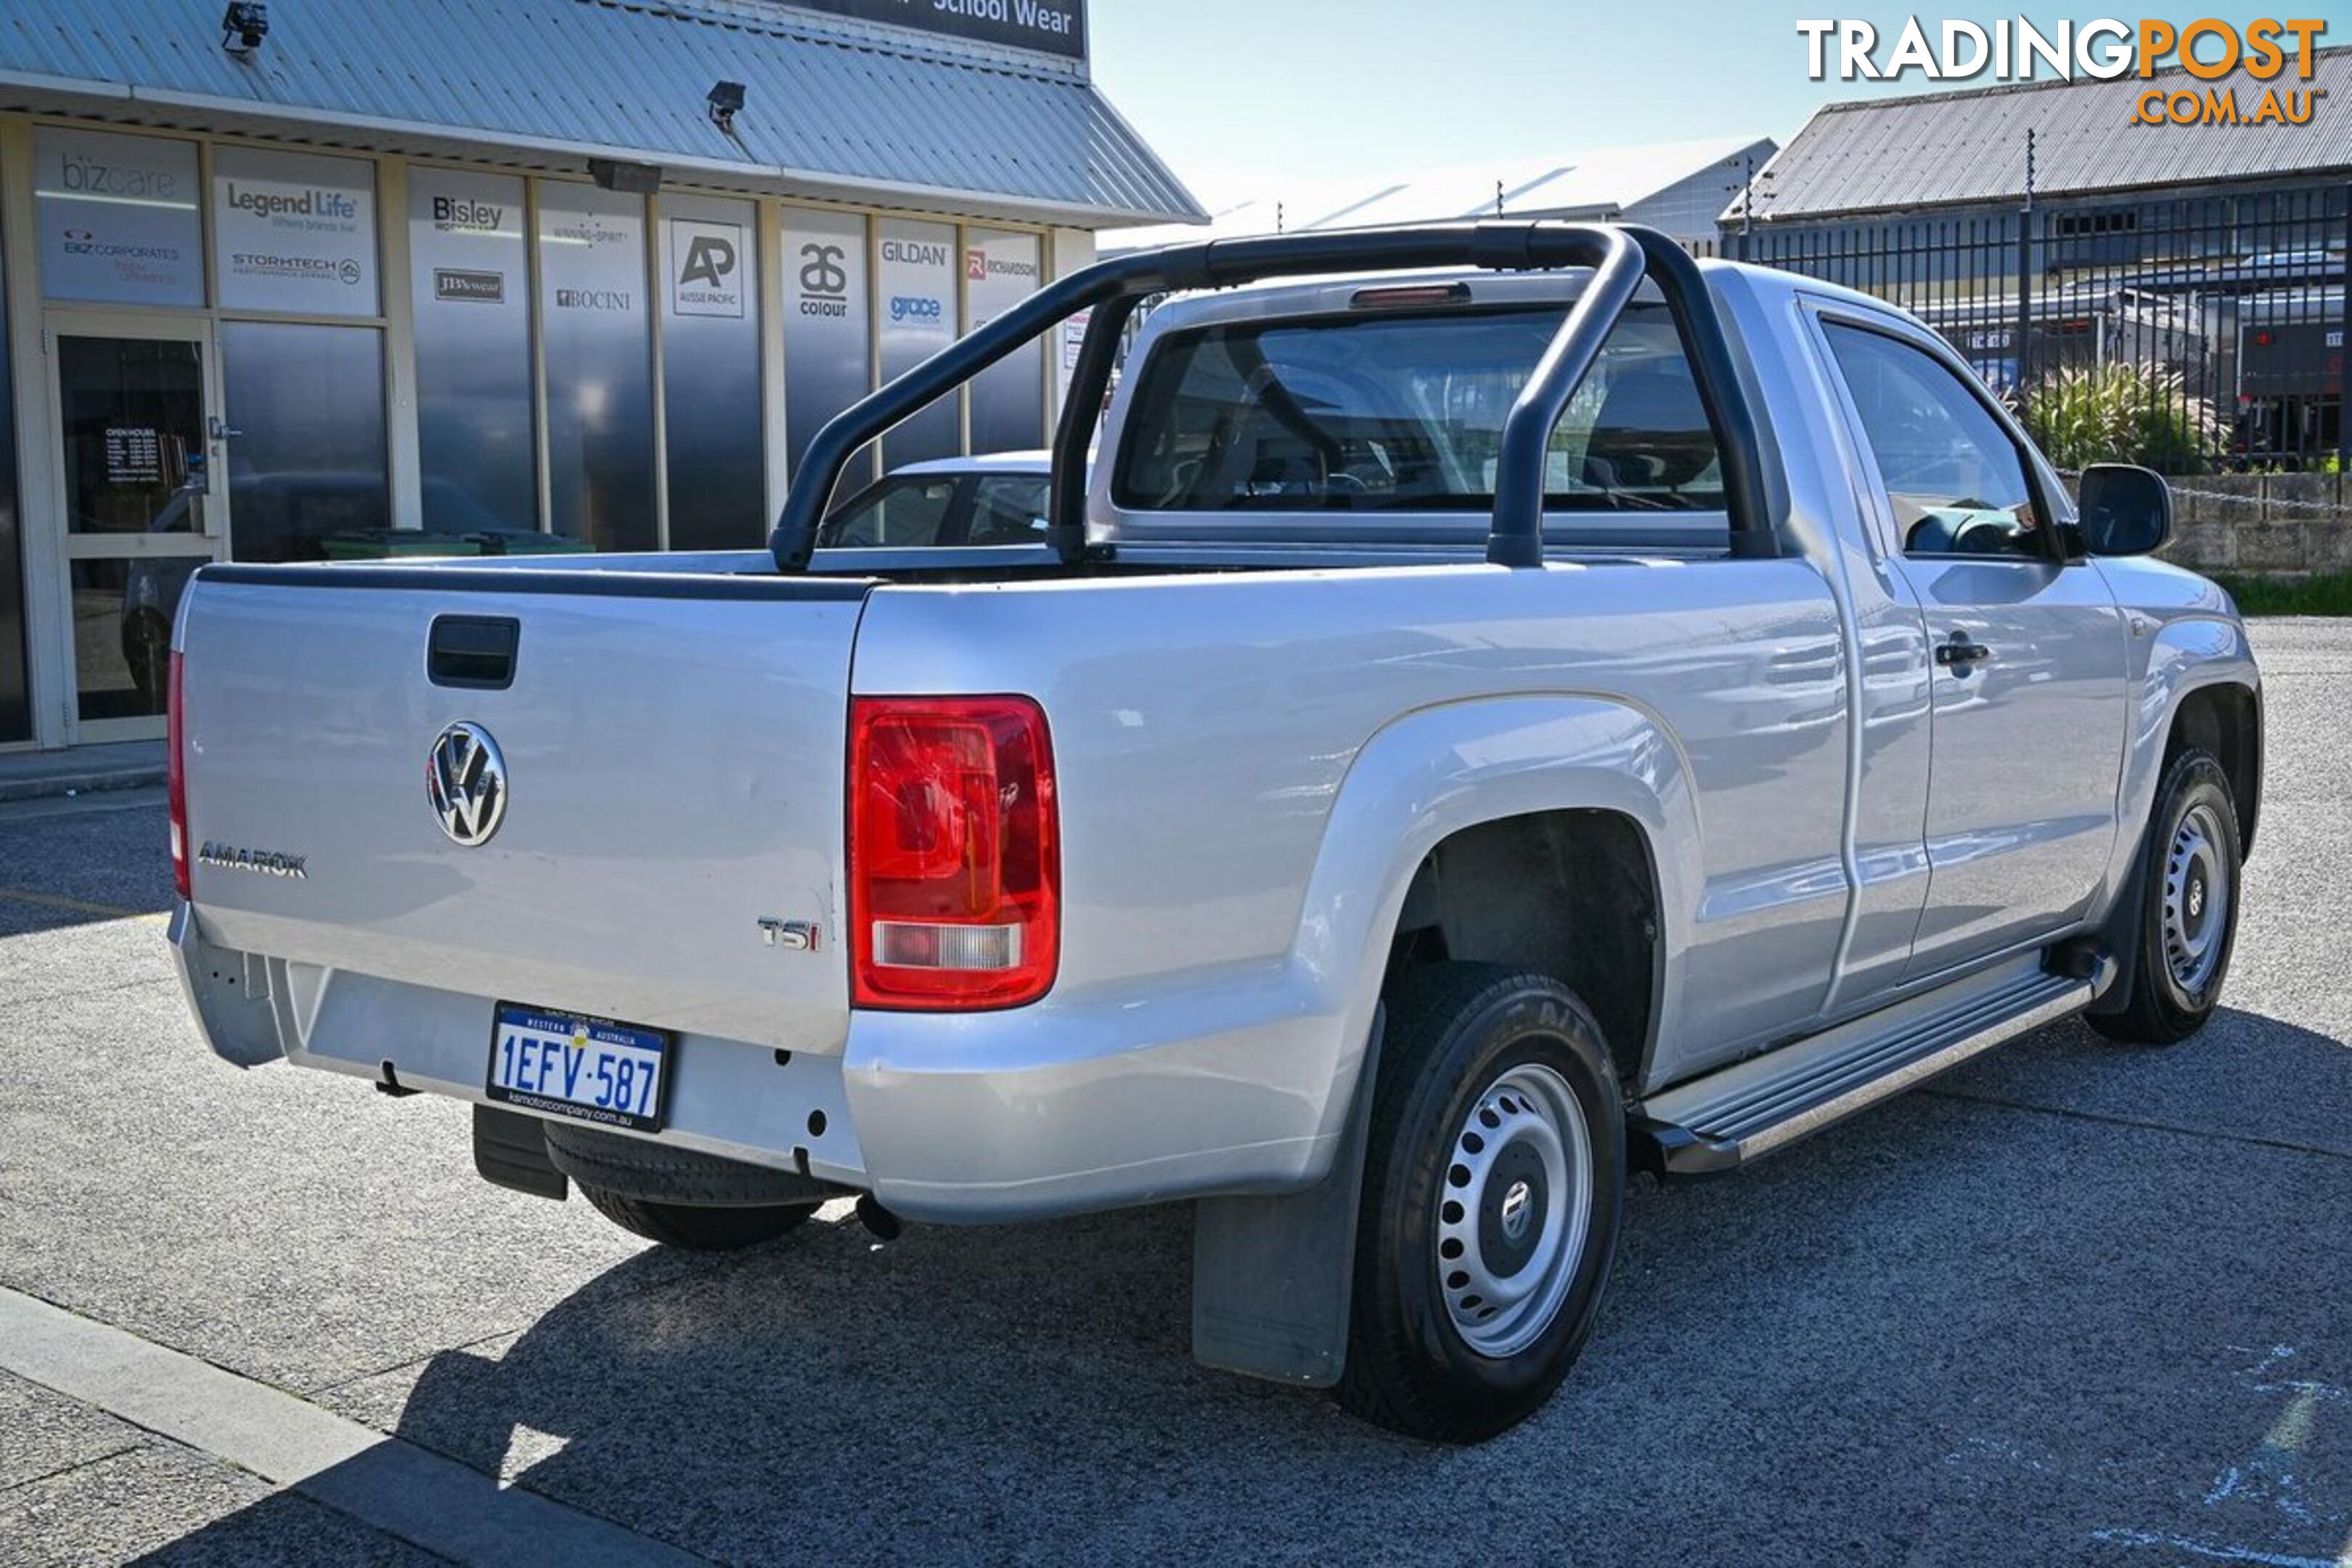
x=828 y=344
x=469 y=287
x=306 y=468
x=918 y=292
x=294 y=232
x=1008 y=399
x=711 y=374
x=600 y=403
x=120 y=218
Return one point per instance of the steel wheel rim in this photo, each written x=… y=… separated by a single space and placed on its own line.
x=1514 y=1210
x=2195 y=899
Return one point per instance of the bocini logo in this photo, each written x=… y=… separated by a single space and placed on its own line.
x=595 y=300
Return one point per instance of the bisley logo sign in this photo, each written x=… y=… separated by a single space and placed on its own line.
x=454 y=213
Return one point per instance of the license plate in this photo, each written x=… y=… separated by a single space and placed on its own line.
x=567 y=1065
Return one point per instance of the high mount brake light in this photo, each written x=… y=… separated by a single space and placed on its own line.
x=954 y=852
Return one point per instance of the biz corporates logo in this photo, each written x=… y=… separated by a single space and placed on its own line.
x=2257 y=75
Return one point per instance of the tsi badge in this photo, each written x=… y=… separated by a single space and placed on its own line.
x=465 y=779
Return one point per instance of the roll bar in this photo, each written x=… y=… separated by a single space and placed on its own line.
x=1621 y=256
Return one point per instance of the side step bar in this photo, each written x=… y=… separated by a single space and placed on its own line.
x=1739 y=1114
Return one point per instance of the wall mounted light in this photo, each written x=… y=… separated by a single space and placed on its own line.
x=632 y=179
x=243 y=27
x=726 y=102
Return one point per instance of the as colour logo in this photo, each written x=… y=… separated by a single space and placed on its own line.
x=824 y=282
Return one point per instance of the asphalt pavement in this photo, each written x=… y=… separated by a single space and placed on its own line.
x=2072 y=1303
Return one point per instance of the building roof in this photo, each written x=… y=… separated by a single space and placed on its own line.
x=1949 y=148
x=1597 y=184
x=835 y=108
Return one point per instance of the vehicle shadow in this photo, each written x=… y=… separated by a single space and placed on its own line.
x=1964 y=1327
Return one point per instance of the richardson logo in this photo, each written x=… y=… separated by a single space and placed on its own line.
x=322 y=203
x=2252 y=72
x=917 y=307
x=824 y=282
x=620 y=300
x=469 y=287
x=458 y=215
x=266 y=862
x=979 y=267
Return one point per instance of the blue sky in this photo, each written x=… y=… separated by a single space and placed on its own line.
x=1240 y=94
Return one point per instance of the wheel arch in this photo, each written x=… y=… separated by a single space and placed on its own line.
x=1569 y=772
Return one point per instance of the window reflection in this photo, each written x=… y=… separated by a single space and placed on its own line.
x=308 y=464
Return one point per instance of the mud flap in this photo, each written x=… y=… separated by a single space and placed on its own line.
x=1273 y=1277
x=510 y=1151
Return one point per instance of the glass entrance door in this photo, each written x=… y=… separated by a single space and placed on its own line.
x=144 y=501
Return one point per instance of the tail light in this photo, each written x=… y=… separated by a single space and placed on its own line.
x=954 y=852
x=177 y=773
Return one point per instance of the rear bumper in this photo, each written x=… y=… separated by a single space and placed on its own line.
x=977 y=1117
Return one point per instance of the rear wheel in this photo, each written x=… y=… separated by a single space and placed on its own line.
x=2188 y=917
x=698 y=1228
x=1493 y=1181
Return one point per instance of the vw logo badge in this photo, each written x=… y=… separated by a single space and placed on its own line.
x=465 y=779
x=1517 y=1210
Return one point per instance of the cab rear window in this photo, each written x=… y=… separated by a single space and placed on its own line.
x=1405 y=413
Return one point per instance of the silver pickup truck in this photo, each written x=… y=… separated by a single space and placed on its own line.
x=1510 y=706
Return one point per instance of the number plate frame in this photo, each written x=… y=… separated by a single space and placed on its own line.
x=545 y=1021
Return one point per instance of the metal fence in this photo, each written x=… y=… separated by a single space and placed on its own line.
x=2196 y=335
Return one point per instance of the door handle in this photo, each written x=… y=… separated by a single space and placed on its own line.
x=1961 y=654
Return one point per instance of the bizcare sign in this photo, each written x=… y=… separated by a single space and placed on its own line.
x=2267 y=58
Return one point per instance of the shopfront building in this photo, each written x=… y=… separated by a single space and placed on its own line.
x=303 y=300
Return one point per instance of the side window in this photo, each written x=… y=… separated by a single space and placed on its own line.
x=1405 y=413
x=895 y=513
x=1955 y=480
x=1008 y=509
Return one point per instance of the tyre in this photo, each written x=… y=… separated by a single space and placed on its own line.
x=682 y=1197
x=1494 y=1184
x=2187 y=918
x=698 y=1228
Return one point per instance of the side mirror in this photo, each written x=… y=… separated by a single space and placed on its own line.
x=2125 y=511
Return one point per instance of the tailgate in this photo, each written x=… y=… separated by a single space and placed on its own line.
x=672 y=748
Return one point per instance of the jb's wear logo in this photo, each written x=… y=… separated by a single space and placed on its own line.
x=2267 y=58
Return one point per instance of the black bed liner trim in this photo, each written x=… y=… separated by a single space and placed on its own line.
x=583 y=584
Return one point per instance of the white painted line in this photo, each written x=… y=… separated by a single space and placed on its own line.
x=385 y=1482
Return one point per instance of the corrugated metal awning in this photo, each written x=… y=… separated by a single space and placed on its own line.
x=1949 y=149
x=835 y=109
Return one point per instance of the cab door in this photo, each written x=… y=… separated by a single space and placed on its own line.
x=2028 y=683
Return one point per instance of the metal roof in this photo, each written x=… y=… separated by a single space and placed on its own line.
x=1603 y=181
x=1956 y=148
x=834 y=108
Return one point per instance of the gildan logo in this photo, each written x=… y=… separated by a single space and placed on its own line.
x=914 y=253
x=473 y=217
x=620 y=300
x=825 y=282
